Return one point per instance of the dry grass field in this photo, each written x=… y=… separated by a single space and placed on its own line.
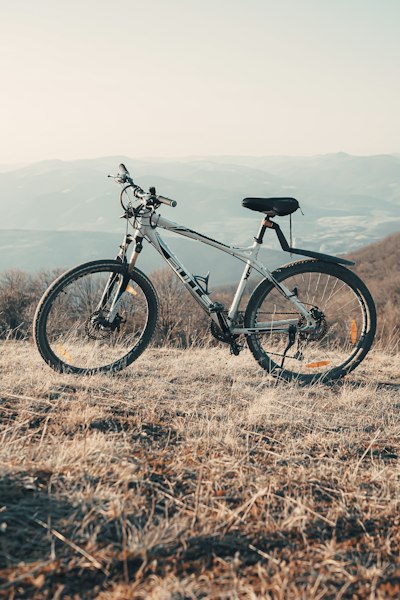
x=193 y=474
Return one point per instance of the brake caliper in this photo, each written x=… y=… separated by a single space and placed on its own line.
x=318 y=331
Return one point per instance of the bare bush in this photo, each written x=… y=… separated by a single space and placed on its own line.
x=16 y=301
x=19 y=295
x=182 y=323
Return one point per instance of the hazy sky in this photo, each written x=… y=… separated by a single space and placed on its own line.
x=90 y=78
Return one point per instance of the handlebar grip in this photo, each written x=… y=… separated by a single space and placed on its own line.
x=167 y=201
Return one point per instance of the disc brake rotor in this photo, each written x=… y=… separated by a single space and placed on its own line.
x=98 y=327
x=320 y=330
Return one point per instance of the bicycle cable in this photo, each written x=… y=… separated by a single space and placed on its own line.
x=151 y=217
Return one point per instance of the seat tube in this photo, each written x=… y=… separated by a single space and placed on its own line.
x=243 y=281
x=239 y=293
x=265 y=224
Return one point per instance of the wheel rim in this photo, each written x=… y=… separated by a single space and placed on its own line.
x=80 y=335
x=336 y=341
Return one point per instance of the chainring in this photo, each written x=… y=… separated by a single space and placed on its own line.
x=226 y=338
x=218 y=334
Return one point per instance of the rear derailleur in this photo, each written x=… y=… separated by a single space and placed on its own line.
x=306 y=336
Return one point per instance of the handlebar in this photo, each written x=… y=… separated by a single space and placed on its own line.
x=150 y=197
x=166 y=201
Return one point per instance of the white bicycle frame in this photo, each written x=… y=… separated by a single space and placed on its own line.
x=146 y=225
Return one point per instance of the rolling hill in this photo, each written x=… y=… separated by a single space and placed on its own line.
x=378 y=265
x=347 y=200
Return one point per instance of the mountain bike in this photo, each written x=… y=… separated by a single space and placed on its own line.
x=310 y=320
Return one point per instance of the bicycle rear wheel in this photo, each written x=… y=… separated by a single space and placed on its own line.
x=345 y=315
x=72 y=328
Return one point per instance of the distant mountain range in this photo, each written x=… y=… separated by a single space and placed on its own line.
x=46 y=208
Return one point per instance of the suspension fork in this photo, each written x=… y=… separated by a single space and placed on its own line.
x=138 y=239
x=290 y=295
x=113 y=279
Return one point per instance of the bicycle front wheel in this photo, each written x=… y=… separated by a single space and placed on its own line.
x=345 y=322
x=95 y=318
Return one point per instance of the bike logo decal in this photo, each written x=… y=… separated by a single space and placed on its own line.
x=182 y=274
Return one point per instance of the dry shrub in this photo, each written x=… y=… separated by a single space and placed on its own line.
x=183 y=323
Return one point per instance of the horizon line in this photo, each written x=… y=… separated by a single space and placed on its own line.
x=22 y=164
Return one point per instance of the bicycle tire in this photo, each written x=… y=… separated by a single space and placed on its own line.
x=346 y=326
x=70 y=335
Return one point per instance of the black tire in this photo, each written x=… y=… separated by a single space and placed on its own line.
x=73 y=337
x=346 y=329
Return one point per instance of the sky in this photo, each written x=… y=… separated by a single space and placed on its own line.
x=167 y=78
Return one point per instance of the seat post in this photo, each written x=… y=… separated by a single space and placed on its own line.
x=266 y=223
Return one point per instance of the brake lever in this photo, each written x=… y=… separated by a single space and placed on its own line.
x=118 y=178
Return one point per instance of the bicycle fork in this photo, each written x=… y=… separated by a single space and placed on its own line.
x=120 y=280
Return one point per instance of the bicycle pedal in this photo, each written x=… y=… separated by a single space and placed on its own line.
x=217 y=307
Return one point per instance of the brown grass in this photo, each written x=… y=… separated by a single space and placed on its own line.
x=194 y=475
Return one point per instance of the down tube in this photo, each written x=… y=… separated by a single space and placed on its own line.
x=247 y=255
x=184 y=275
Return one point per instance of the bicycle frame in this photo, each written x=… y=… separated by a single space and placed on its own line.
x=146 y=226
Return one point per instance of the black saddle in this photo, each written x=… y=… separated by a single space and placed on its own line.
x=272 y=207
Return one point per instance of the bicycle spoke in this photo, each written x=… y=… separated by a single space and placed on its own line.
x=81 y=328
x=341 y=321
